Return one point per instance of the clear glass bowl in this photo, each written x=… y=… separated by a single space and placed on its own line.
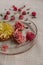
x=14 y=48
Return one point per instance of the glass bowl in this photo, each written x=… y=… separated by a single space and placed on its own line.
x=14 y=48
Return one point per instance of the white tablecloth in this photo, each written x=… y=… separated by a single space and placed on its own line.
x=35 y=55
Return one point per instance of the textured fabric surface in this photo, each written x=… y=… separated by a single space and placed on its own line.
x=35 y=55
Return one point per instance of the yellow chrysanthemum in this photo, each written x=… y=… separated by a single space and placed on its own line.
x=6 y=30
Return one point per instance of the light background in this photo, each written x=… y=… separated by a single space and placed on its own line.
x=35 y=55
